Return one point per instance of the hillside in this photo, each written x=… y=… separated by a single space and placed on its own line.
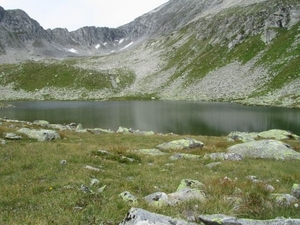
x=221 y=50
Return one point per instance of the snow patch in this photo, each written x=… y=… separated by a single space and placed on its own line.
x=97 y=46
x=121 y=41
x=127 y=46
x=72 y=50
x=105 y=43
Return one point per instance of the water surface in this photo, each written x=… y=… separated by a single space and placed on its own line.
x=180 y=117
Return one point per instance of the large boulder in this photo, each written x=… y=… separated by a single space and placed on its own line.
x=40 y=135
x=278 y=134
x=142 y=217
x=186 y=143
x=265 y=149
x=229 y=220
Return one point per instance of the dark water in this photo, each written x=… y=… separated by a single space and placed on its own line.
x=197 y=118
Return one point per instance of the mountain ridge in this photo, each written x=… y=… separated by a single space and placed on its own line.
x=221 y=50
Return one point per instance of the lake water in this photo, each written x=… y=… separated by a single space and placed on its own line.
x=197 y=118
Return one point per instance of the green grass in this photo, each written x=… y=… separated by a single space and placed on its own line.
x=32 y=75
x=37 y=189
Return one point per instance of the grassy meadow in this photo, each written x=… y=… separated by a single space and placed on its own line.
x=37 y=189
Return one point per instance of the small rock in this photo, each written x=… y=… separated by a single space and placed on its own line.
x=186 y=143
x=63 y=162
x=284 y=199
x=94 y=182
x=41 y=122
x=296 y=191
x=184 y=156
x=128 y=197
x=100 y=190
x=188 y=183
x=85 y=189
x=92 y=168
x=12 y=136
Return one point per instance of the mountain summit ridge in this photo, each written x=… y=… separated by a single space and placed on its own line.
x=220 y=50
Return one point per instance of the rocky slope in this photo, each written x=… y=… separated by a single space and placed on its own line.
x=242 y=51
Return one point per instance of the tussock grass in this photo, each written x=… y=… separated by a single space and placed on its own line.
x=37 y=189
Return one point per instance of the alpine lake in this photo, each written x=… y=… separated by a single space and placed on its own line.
x=179 y=117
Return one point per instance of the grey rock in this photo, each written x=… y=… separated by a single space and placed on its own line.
x=186 y=143
x=224 y=156
x=296 y=191
x=128 y=197
x=278 y=134
x=157 y=199
x=188 y=183
x=178 y=156
x=85 y=189
x=2 y=141
x=150 y=151
x=284 y=199
x=12 y=136
x=242 y=136
x=92 y=168
x=100 y=131
x=230 y=220
x=185 y=195
x=142 y=217
x=40 y=135
x=41 y=122
x=63 y=162
x=265 y=149
x=94 y=182
x=125 y=130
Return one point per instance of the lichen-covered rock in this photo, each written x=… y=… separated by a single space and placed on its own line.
x=185 y=195
x=142 y=217
x=230 y=220
x=224 y=156
x=12 y=136
x=178 y=156
x=296 y=191
x=40 y=135
x=186 y=143
x=128 y=197
x=41 y=122
x=157 y=199
x=188 y=183
x=125 y=130
x=242 y=136
x=284 y=199
x=278 y=134
x=265 y=149
x=100 y=131
x=2 y=141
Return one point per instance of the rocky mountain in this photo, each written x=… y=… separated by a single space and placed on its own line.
x=226 y=50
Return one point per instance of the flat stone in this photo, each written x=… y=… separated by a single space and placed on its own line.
x=12 y=136
x=150 y=151
x=230 y=220
x=278 y=134
x=142 y=217
x=178 y=156
x=186 y=143
x=224 y=156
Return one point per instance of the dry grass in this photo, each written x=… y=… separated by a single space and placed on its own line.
x=37 y=189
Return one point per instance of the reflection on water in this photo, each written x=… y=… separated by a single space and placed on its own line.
x=198 y=118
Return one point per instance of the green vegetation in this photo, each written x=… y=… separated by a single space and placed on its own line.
x=32 y=75
x=37 y=189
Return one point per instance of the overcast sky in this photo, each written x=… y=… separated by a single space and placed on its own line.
x=73 y=14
